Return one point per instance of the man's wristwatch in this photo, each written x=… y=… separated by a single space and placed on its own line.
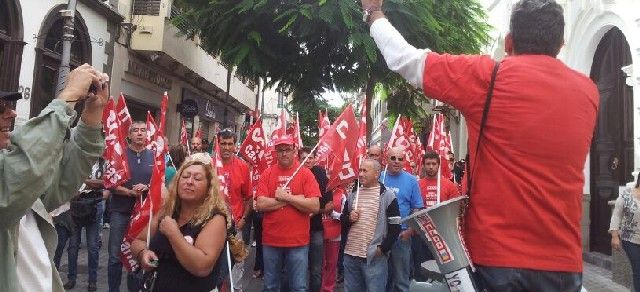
x=366 y=13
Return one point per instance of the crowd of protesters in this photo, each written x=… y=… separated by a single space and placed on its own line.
x=522 y=230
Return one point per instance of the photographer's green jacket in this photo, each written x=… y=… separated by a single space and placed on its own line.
x=41 y=171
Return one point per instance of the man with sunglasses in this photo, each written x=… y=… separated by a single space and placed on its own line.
x=287 y=194
x=40 y=171
x=405 y=186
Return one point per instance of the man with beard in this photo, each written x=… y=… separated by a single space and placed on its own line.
x=236 y=175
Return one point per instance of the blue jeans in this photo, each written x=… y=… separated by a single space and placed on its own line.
x=64 y=235
x=522 y=280
x=400 y=266
x=421 y=254
x=360 y=276
x=294 y=259
x=633 y=253
x=91 y=235
x=316 y=251
x=119 y=225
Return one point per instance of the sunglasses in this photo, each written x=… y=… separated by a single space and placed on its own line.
x=6 y=105
x=394 y=158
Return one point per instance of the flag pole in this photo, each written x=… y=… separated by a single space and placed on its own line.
x=355 y=204
x=229 y=266
x=438 y=188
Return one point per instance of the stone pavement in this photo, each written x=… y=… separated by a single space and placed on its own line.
x=595 y=279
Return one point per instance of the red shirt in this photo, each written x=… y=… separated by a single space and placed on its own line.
x=429 y=188
x=526 y=201
x=332 y=227
x=286 y=227
x=237 y=176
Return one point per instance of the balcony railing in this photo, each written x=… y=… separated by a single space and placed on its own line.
x=146 y=7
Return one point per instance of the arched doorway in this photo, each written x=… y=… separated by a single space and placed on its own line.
x=612 y=146
x=11 y=44
x=49 y=54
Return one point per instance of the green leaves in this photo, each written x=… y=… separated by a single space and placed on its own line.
x=311 y=45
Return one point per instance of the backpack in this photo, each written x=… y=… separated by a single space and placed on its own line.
x=84 y=207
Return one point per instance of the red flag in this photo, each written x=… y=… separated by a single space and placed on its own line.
x=184 y=136
x=405 y=137
x=281 y=127
x=216 y=161
x=297 y=136
x=143 y=212
x=151 y=131
x=323 y=123
x=440 y=142
x=254 y=148
x=123 y=115
x=117 y=168
x=338 y=146
x=198 y=133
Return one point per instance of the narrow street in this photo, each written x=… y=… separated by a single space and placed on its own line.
x=595 y=279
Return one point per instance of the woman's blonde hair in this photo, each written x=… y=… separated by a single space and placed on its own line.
x=213 y=204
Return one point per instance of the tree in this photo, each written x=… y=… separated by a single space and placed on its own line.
x=306 y=46
x=307 y=107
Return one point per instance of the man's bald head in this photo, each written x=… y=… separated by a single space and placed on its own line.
x=395 y=160
x=374 y=152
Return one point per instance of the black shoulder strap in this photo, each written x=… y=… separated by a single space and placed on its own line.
x=483 y=122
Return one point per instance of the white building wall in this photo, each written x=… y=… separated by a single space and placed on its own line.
x=33 y=13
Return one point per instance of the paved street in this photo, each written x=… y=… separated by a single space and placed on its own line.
x=595 y=279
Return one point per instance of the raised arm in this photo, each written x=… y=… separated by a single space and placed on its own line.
x=401 y=57
x=35 y=161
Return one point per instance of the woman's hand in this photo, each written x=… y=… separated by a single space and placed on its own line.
x=146 y=258
x=615 y=242
x=169 y=227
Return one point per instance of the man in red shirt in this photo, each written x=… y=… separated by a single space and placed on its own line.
x=236 y=175
x=287 y=194
x=429 y=183
x=429 y=190
x=523 y=228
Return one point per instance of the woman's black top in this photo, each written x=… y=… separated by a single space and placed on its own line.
x=171 y=275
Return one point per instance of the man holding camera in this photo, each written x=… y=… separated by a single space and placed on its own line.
x=40 y=171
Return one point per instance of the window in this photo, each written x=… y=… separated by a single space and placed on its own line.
x=49 y=55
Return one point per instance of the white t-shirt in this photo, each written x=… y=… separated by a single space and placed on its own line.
x=33 y=265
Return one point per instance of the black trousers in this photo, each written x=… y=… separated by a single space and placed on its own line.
x=495 y=279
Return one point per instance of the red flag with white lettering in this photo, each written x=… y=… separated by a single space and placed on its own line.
x=143 y=211
x=281 y=127
x=123 y=115
x=117 y=168
x=338 y=146
x=440 y=142
x=323 y=123
x=254 y=148
x=151 y=131
x=184 y=136
x=216 y=161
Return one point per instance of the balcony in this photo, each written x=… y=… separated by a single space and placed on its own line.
x=157 y=38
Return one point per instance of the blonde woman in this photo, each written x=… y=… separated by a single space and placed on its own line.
x=188 y=234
